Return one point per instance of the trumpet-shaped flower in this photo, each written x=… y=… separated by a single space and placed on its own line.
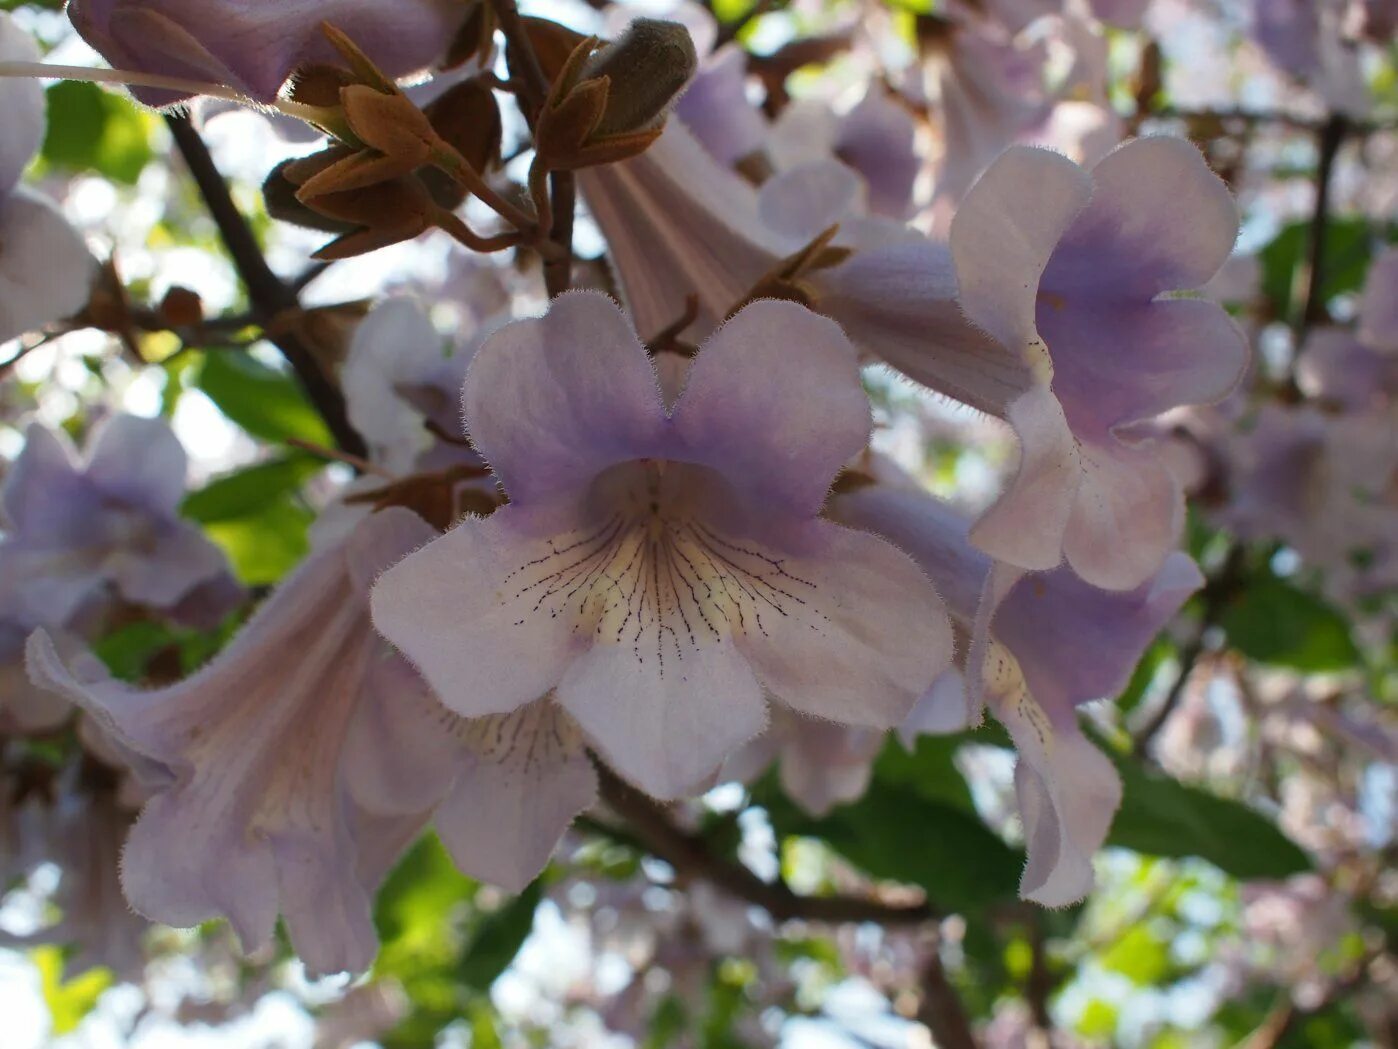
x=1042 y=644
x=78 y=532
x=1071 y=272
x=661 y=569
x=254 y=46
x=252 y=811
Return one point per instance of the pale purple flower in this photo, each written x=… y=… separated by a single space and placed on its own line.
x=991 y=94
x=876 y=139
x=1378 y=306
x=716 y=109
x=1339 y=370
x=820 y=764
x=1071 y=272
x=253 y=811
x=45 y=268
x=1042 y=644
x=254 y=46
x=22 y=100
x=399 y=375
x=1313 y=41
x=678 y=223
x=659 y=569
x=80 y=532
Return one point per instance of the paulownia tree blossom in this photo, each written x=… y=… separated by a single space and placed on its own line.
x=1090 y=258
x=80 y=533
x=1042 y=644
x=252 y=812
x=45 y=268
x=1074 y=273
x=254 y=47
x=661 y=570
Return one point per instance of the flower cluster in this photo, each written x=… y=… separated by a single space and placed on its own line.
x=604 y=532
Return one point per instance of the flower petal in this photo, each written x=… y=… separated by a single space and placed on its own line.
x=665 y=724
x=1068 y=790
x=45 y=267
x=1127 y=516
x=806 y=200
x=43 y=493
x=898 y=302
x=1159 y=220
x=1119 y=362
x=678 y=223
x=1025 y=526
x=866 y=639
x=786 y=449
x=1067 y=809
x=141 y=462
x=552 y=401
x=1075 y=642
x=1006 y=231
x=512 y=803
x=456 y=609
x=22 y=102
x=1378 y=307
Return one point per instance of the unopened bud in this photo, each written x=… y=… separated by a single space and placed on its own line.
x=646 y=68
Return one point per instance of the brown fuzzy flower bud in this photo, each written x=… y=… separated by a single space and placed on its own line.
x=609 y=104
x=646 y=69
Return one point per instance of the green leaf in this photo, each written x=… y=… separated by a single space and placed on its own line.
x=127 y=651
x=498 y=939
x=264 y=546
x=68 y=1001
x=94 y=130
x=1160 y=816
x=915 y=824
x=1140 y=956
x=263 y=401
x=248 y=491
x=1346 y=258
x=1273 y=621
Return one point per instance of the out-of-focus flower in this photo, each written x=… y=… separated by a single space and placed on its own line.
x=1042 y=644
x=255 y=47
x=821 y=764
x=1314 y=41
x=79 y=533
x=876 y=139
x=253 y=811
x=1378 y=308
x=662 y=569
x=45 y=268
x=1069 y=271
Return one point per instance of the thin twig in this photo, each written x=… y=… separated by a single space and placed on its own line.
x=269 y=295
x=940 y=1008
x=1275 y=117
x=533 y=84
x=558 y=270
x=1328 y=141
x=691 y=856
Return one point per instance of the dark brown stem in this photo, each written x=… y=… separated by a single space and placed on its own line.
x=524 y=63
x=1328 y=141
x=1039 y=985
x=558 y=271
x=691 y=857
x=269 y=295
x=941 y=1010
